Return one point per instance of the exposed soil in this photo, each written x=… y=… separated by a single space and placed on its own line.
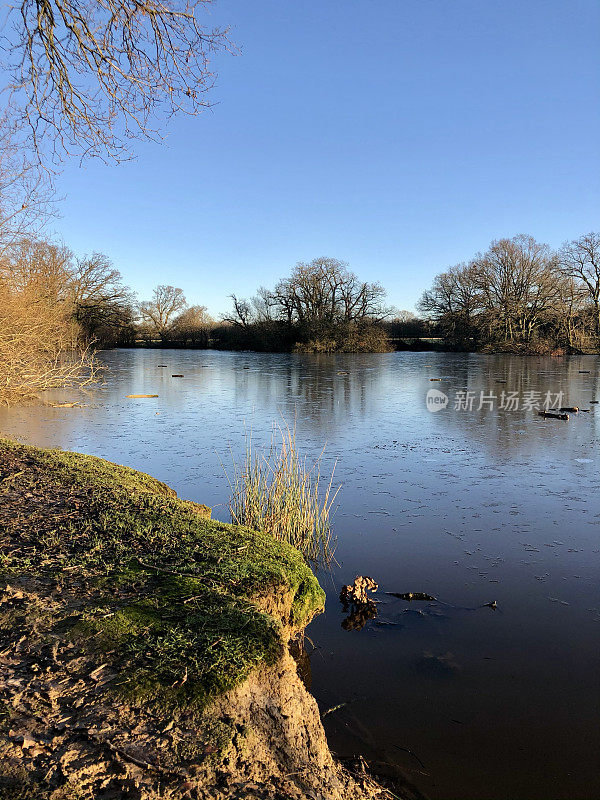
x=83 y=712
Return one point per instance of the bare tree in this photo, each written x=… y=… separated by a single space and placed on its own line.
x=454 y=302
x=90 y=75
x=192 y=326
x=571 y=313
x=517 y=282
x=264 y=305
x=26 y=199
x=102 y=304
x=403 y=315
x=159 y=313
x=325 y=291
x=504 y=294
x=40 y=265
x=579 y=259
x=243 y=313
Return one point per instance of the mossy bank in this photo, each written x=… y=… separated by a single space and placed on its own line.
x=143 y=646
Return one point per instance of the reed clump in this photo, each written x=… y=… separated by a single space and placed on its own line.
x=279 y=493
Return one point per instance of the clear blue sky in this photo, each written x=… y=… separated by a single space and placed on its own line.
x=398 y=135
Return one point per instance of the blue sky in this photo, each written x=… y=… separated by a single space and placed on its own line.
x=401 y=136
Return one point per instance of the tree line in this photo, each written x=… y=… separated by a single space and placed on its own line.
x=520 y=295
x=56 y=308
x=320 y=307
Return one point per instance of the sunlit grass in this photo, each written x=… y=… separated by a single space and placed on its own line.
x=278 y=493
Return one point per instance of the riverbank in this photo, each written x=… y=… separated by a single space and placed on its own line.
x=144 y=646
x=393 y=344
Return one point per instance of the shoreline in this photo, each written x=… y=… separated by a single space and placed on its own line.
x=145 y=646
x=409 y=348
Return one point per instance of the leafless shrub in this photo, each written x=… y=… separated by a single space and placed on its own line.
x=38 y=347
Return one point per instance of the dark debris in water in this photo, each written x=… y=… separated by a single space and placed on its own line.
x=361 y=608
x=410 y=596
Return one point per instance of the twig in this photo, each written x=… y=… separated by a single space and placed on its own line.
x=332 y=709
x=128 y=757
x=14 y=475
x=169 y=572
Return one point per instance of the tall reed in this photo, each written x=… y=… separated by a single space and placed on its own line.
x=279 y=493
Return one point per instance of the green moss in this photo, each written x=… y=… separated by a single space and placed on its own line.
x=185 y=605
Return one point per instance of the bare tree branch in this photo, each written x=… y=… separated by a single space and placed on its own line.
x=89 y=76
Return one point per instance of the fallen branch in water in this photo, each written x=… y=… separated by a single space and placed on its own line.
x=421 y=596
x=413 y=596
x=332 y=709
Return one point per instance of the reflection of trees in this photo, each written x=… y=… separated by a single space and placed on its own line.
x=327 y=404
x=312 y=387
x=331 y=406
x=501 y=430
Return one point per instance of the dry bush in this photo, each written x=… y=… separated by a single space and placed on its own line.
x=346 y=337
x=38 y=346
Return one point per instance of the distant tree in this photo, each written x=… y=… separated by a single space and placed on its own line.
x=572 y=318
x=505 y=294
x=158 y=314
x=454 y=303
x=242 y=314
x=579 y=260
x=517 y=285
x=325 y=291
x=192 y=326
x=264 y=306
x=407 y=325
x=102 y=303
x=405 y=316
x=321 y=306
x=89 y=76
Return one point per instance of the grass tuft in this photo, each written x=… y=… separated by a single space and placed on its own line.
x=278 y=493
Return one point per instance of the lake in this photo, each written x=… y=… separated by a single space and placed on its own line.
x=480 y=500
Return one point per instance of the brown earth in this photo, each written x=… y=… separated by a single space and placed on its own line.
x=66 y=731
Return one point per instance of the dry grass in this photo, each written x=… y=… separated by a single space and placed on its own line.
x=278 y=493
